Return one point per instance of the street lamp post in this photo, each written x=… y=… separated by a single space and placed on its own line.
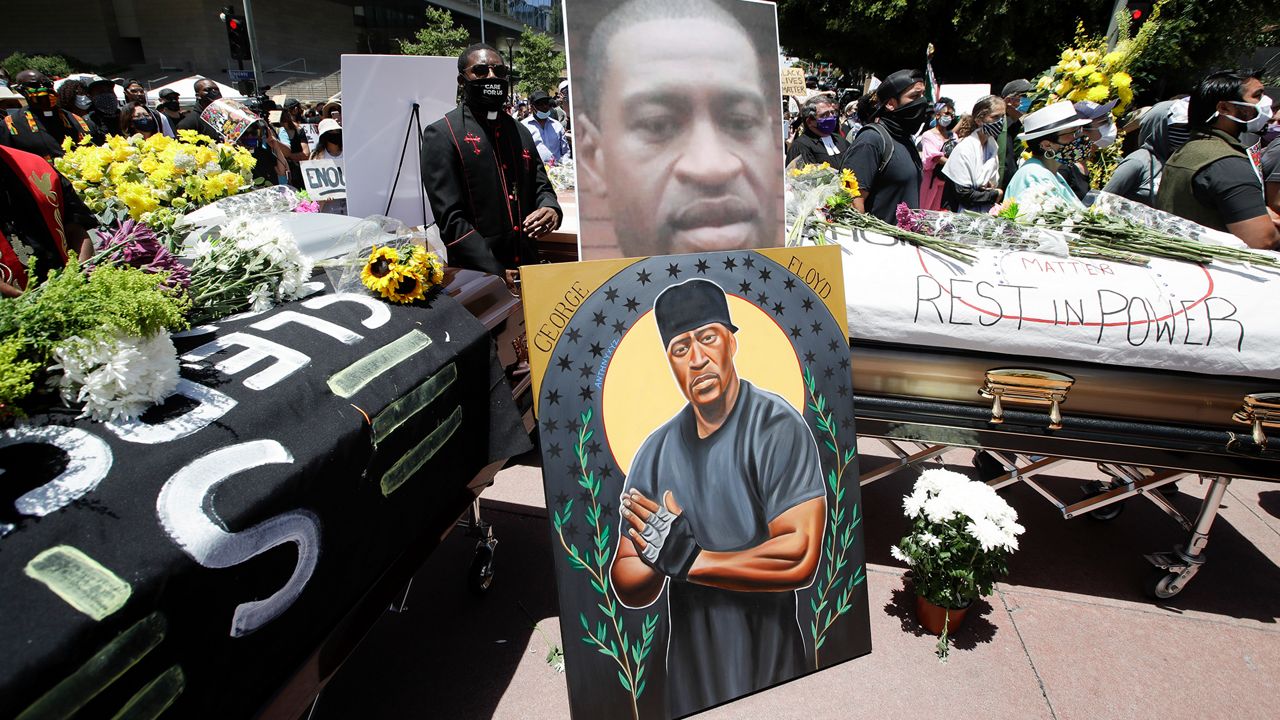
x=481 y=22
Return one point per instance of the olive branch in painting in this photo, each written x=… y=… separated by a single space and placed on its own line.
x=834 y=589
x=629 y=655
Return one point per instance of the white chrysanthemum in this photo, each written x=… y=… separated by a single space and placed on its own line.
x=914 y=503
x=987 y=533
x=899 y=555
x=928 y=539
x=116 y=378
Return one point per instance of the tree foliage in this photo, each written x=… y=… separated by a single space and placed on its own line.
x=438 y=38
x=55 y=66
x=538 y=62
x=994 y=42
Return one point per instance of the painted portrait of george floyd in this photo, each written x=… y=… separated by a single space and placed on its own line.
x=700 y=470
x=676 y=114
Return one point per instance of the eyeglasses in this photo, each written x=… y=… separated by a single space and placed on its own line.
x=482 y=70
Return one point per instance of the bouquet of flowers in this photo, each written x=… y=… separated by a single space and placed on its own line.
x=247 y=264
x=401 y=275
x=135 y=245
x=101 y=339
x=1089 y=71
x=561 y=175
x=156 y=180
x=961 y=536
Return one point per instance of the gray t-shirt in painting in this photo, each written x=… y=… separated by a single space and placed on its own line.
x=762 y=462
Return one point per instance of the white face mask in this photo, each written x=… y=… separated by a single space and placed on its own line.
x=1108 y=136
x=1259 y=121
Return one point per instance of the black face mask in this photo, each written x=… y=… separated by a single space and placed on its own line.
x=168 y=107
x=486 y=93
x=907 y=118
x=144 y=124
x=105 y=104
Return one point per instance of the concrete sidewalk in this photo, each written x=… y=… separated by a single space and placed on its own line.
x=1070 y=635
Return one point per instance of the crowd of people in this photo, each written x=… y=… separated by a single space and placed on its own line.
x=1211 y=156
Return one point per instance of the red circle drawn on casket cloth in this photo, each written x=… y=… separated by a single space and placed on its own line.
x=1207 y=294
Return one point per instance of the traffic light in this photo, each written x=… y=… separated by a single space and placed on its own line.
x=1139 y=13
x=237 y=34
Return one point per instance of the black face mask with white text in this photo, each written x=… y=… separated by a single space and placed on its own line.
x=486 y=93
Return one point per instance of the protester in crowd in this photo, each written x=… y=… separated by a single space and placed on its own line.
x=333 y=111
x=312 y=115
x=1017 y=102
x=74 y=96
x=329 y=141
x=864 y=109
x=42 y=126
x=935 y=145
x=849 y=122
x=489 y=193
x=295 y=137
x=820 y=141
x=1211 y=179
x=1138 y=175
x=136 y=119
x=104 y=118
x=268 y=152
x=1053 y=135
x=560 y=109
x=170 y=108
x=1101 y=133
x=206 y=92
x=134 y=92
x=548 y=135
x=41 y=219
x=1271 y=163
x=883 y=155
x=973 y=170
x=329 y=147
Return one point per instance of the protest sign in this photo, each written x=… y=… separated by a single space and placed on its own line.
x=324 y=179
x=793 y=82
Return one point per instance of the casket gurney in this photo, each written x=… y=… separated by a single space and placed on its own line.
x=1157 y=374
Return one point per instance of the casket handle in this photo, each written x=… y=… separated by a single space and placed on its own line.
x=1260 y=411
x=1028 y=386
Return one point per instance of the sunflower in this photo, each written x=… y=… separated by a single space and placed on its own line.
x=408 y=287
x=849 y=182
x=381 y=272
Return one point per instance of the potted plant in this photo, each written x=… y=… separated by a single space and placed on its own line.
x=961 y=536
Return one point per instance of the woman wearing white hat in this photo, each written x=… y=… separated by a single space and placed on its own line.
x=1053 y=135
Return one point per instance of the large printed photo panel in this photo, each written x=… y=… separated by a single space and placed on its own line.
x=677 y=126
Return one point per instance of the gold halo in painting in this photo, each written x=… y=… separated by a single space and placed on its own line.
x=640 y=392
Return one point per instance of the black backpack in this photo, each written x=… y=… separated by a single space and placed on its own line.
x=885 y=140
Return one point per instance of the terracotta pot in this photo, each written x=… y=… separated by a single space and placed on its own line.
x=932 y=616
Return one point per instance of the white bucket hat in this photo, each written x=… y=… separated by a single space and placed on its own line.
x=1050 y=120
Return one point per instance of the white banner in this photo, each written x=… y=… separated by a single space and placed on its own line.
x=1217 y=319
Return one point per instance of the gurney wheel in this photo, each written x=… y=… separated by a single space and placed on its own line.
x=480 y=576
x=1108 y=513
x=1160 y=585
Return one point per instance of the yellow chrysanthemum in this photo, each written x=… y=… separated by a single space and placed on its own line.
x=1112 y=58
x=1084 y=72
x=1098 y=94
x=1121 y=80
x=1044 y=83
x=1091 y=57
x=1063 y=88
x=1078 y=95
x=1126 y=96
x=1098 y=78
x=1068 y=55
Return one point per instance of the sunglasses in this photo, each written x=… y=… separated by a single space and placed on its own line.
x=482 y=70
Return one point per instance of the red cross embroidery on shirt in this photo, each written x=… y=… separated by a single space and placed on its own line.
x=474 y=140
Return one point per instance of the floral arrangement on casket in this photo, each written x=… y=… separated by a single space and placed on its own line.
x=401 y=275
x=246 y=264
x=961 y=536
x=156 y=180
x=101 y=339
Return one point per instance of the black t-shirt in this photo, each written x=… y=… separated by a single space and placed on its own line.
x=762 y=462
x=1230 y=185
x=1271 y=162
x=882 y=192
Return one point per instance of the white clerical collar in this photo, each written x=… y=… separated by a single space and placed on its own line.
x=830 y=145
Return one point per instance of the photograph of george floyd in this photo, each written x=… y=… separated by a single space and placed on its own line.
x=676 y=107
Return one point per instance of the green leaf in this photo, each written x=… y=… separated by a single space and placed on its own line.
x=605 y=610
x=821 y=640
x=596 y=586
x=830 y=446
x=641 y=690
x=583 y=617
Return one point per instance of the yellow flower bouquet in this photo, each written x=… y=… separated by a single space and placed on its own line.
x=156 y=180
x=401 y=276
